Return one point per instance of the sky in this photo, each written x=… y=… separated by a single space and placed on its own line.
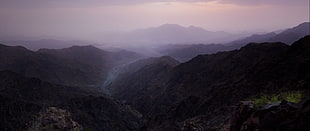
x=80 y=18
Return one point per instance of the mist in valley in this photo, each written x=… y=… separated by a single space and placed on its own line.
x=142 y=24
x=154 y=65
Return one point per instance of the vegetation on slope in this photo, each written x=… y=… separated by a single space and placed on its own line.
x=264 y=99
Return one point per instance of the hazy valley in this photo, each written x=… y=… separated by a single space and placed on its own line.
x=154 y=65
x=191 y=79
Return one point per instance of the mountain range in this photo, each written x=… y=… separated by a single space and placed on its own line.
x=45 y=43
x=186 y=52
x=76 y=65
x=208 y=86
x=168 y=34
x=87 y=88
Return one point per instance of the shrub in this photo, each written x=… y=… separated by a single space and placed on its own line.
x=264 y=99
x=293 y=96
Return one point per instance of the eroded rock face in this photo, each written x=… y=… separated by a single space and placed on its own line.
x=284 y=116
x=53 y=119
x=242 y=112
x=103 y=114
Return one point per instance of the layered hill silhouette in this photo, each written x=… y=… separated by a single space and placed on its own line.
x=44 y=43
x=186 y=52
x=158 y=93
x=209 y=85
x=167 y=34
x=287 y=36
x=76 y=65
x=173 y=33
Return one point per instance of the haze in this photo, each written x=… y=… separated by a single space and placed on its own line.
x=84 y=19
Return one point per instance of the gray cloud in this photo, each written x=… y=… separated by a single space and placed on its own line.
x=94 y=3
x=44 y=17
x=265 y=2
x=79 y=3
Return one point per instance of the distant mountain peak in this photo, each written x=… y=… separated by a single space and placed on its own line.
x=13 y=49
x=287 y=36
x=174 y=33
x=304 y=23
x=171 y=25
x=177 y=26
x=83 y=47
x=301 y=27
x=20 y=47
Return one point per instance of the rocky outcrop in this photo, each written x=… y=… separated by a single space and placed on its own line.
x=209 y=85
x=103 y=114
x=216 y=81
x=281 y=116
x=22 y=99
x=53 y=119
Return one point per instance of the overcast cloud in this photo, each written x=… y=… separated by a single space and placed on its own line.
x=96 y=3
x=80 y=18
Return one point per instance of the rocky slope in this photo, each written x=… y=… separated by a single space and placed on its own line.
x=101 y=113
x=159 y=93
x=281 y=116
x=53 y=119
x=22 y=99
x=229 y=77
x=209 y=85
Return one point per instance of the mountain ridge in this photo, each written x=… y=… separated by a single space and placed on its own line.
x=23 y=98
x=208 y=85
x=77 y=65
x=186 y=52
